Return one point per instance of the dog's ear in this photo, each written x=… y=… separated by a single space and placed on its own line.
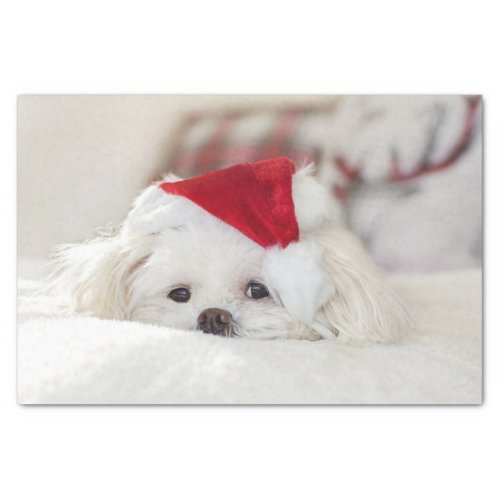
x=92 y=277
x=364 y=308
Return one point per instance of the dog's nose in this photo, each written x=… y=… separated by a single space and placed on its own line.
x=214 y=321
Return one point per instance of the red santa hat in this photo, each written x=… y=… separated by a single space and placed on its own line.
x=254 y=198
x=274 y=205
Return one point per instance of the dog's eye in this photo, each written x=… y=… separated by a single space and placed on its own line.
x=180 y=295
x=256 y=290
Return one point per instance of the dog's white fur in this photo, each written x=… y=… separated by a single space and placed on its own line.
x=323 y=286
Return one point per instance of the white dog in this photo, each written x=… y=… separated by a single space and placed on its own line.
x=248 y=251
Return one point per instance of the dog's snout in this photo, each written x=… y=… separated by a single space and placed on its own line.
x=215 y=321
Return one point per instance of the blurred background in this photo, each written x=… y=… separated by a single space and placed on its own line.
x=405 y=172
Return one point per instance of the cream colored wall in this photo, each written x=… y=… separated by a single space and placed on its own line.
x=82 y=159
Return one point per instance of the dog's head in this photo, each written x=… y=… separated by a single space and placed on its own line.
x=193 y=271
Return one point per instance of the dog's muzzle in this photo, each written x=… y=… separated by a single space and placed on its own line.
x=216 y=321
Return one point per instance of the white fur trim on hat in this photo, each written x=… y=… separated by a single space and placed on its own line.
x=296 y=275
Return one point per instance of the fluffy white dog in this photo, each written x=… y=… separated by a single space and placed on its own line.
x=248 y=251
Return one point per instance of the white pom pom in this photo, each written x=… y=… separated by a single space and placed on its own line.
x=297 y=277
x=313 y=202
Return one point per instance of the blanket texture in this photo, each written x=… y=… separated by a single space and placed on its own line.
x=73 y=359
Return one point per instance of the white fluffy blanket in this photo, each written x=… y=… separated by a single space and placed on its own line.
x=71 y=359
